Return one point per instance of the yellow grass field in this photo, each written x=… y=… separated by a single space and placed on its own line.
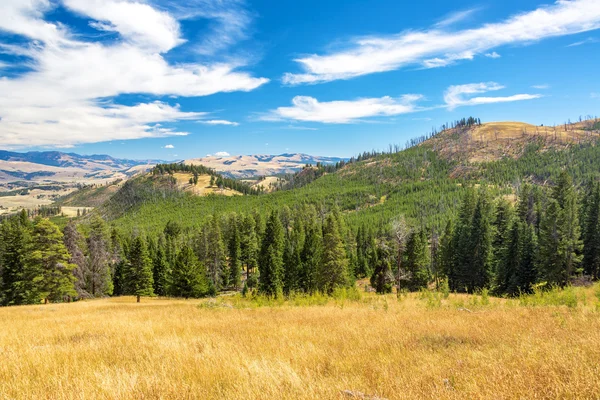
x=418 y=346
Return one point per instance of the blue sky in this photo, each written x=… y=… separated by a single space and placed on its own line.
x=170 y=79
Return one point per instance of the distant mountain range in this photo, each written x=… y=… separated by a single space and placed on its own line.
x=54 y=167
x=58 y=167
x=261 y=165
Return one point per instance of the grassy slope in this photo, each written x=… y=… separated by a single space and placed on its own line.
x=415 y=347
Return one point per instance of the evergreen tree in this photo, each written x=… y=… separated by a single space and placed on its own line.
x=382 y=278
x=215 y=255
x=249 y=246
x=271 y=258
x=294 y=243
x=334 y=268
x=160 y=272
x=311 y=257
x=235 y=253
x=189 y=276
x=479 y=266
x=560 y=243
x=591 y=233
x=417 y=261
x=49 y=258
x=18 y=281
x=73 y=241
x=138 y=272
x=98 y=279
x=526 y=273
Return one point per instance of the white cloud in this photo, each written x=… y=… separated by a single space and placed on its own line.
x=61 y=101
x=460 y=95
x=439 y=47
x=582 y=42
x=136 y=22
x=493 y=55
x=456 y=17
x=169 y=146
x=222 y=154
x=541 y=87
x=219 y=122
x=342 y=112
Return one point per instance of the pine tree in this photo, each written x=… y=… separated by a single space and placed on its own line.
x=73 y=241
x=189 y=276
x=526 y=274
x=160 y=272
x=98 y=279
x=479 y=266
x=249 y=247
x=560 y=243
x=271 y=258
x=49 y=258
x=215 y=255
x=18 y=282
x=294 y=243
x=501 y=225
x=334 y=268
x=382 y=278
x=591 y=234
x=138 y=272
x=458 y=273
x=311 y=257
x=508 y=260
x=235 y=253
x=417 y=261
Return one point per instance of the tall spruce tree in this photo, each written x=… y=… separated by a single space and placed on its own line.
x=235 y=253
x=215 y=255
x=18 y=280
x=311 y=257
x=271 y=258
x=249 y=246
x=560 y=232
x=417 y=261
x=138 y=272
x=98 y=280
x=160 y=271
x=382 y=279
x=334 y=268
x=49 y=258
x=591 y=233
x=73 y=241
x=189 y=276
x=478 y=272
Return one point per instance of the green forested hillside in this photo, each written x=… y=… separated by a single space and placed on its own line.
x=410 y=219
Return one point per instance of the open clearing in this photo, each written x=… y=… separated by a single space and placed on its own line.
x=230 y=348
x=203 y=188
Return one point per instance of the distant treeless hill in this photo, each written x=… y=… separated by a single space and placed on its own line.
x=260 y=165
x=495 y=140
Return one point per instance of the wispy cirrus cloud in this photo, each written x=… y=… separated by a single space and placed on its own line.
x=462 y=95
x=309 y=109
x=582 y=42
x=541 y=87
x=219 y=122
x=62 y=98
x=438 y=46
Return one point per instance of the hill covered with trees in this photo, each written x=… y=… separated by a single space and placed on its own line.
x=406 y=218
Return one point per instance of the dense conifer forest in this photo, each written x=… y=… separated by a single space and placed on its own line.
x=408 y=219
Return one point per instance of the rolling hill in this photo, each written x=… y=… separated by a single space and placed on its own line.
x=261 y=165
x=424 y=182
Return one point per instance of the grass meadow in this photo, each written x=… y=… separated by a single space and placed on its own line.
x=356 y=345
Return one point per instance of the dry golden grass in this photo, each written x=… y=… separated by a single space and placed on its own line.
x=495 y=140
x=203 y=187
x=415 y=347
